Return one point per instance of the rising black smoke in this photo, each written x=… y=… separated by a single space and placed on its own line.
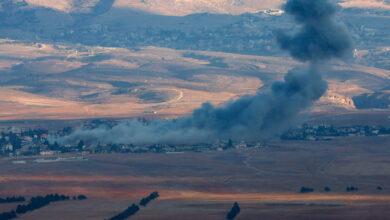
x=255 y=117
x=320 y=37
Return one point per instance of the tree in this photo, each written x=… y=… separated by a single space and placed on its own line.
x=8 y=215
x=80 y=145
x=306 y=190
x=12 y=199
x=327 y=189
x=81 y=197
x=351 y=189
x=233 y=212
x=39 y=202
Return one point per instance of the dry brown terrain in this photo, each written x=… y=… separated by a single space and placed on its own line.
x=265 y=182
x=185 y=7
x=167 y=7
x=79 y=94
x=366 y=4
x=43 y=81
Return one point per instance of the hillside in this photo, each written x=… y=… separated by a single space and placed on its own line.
x=86 y=59
x=384 y=4
x=186 y=7
x=164 y=7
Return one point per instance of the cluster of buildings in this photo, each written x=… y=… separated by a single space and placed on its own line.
x=171 y=149
x=242 y=35
x=326 y=132
x=18 y=142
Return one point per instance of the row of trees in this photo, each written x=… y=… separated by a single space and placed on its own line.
x=12 y=199
x=306 y=190
x=39 y=202
x=131 y=210
x=8 y=215
x=149 y=198
x=34 y=203
x=80 y=197
x=233 y=212
x=351 y=189
x=327 y=189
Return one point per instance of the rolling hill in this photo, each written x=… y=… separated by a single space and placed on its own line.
x=87 y=59
x=186 y=7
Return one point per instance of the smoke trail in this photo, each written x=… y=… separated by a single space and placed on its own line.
x=250 y=118
x=255 y=117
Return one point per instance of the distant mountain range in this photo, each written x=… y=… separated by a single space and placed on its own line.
x=185 y=7
x=88 y=58
x=385 y=4
x=164 y=7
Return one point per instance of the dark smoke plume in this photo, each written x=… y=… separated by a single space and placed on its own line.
x=255 y=117
x=250 y=117
x=320 y=37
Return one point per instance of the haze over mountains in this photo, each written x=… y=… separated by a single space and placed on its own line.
x=185 y=7
x=126 y=58
x=166 y=7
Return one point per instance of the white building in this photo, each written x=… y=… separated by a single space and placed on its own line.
x=9 y=147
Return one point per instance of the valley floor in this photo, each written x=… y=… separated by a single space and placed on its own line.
x=265 y=182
